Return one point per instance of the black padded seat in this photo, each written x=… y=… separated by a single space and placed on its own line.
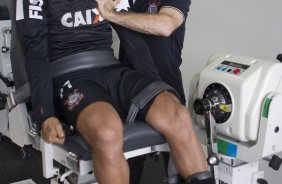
x=137 y=135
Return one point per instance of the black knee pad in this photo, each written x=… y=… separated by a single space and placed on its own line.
x=145 y=96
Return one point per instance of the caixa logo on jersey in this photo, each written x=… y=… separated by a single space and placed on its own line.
x=76 y=19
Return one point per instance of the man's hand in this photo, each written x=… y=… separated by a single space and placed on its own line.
x=107 y=7
x=52 y=131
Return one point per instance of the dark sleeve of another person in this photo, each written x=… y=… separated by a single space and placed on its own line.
x=135 y=53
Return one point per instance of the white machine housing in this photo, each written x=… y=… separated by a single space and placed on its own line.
x=253 y=130
x=248 y=88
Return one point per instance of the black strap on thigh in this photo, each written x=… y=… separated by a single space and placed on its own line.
x=144 y=96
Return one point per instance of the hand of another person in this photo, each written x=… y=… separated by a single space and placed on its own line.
x=52 y=131
x=107 y=7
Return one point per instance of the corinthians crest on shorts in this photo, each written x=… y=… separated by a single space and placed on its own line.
x=73 y=99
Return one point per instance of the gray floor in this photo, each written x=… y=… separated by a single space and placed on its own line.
x=13 y=168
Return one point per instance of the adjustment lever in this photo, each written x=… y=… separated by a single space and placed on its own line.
x=7 y=40
x=275 y=162
x=204 y=107
x=7 y=82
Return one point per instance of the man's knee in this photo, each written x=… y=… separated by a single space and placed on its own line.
x=101 y=127
x=167 y=112
x=180 y=120
x=108 y=136
x=104 y=139
x=163 y=103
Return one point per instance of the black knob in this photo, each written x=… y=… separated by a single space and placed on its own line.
x=213 y=159
x=275 y=162
x=8 y=31
x=279 y=57
x=5 y=49
x=262 y=181
x=201 y=105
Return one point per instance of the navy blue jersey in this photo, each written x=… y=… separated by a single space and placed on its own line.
x=166 y=52
x=51 y=29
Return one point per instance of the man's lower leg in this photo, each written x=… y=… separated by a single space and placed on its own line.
x=176 y=125
x=115 y=170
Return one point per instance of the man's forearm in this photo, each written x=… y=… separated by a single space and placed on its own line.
x=162 y=23
x=155 y=24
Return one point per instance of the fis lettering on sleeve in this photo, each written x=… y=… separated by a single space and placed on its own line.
x=35 y=9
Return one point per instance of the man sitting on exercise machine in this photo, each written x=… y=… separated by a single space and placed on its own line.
x=92 y=91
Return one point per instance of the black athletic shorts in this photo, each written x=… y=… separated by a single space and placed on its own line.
x=115 y=84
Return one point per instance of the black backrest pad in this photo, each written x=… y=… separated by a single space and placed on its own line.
x=17 y=56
